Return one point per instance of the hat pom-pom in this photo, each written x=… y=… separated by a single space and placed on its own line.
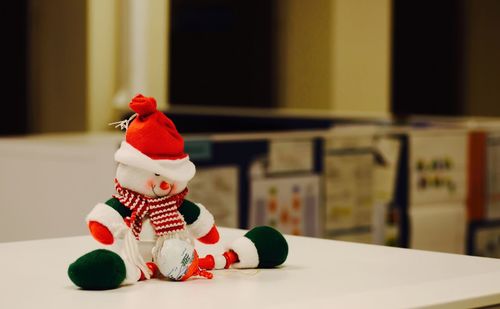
x=143 y=105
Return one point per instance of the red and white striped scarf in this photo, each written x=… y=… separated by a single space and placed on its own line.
x=162 y=211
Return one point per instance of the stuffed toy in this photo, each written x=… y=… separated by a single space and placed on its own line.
x=150 y=222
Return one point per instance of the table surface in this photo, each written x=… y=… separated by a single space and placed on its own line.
x=319 y=273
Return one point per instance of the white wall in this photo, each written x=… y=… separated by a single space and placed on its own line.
x=49 y=183
x=56 y=65
x=126 y=54
x=361 y=64
x=335 y=55
x=481 y=51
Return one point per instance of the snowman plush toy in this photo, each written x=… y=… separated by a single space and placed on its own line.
x=151 y=226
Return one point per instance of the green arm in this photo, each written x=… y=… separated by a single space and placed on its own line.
x=116 y=205
x=190 y=211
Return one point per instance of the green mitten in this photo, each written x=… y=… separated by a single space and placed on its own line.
x=261 y=247
x=98 y=270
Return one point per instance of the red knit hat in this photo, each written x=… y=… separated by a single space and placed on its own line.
x=153 y=143
x=153 y=133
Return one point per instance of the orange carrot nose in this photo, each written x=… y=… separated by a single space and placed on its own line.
x=164 y=185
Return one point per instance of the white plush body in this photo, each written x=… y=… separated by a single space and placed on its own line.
x=145 y=183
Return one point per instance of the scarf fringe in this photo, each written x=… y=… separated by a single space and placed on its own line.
x=131 y=252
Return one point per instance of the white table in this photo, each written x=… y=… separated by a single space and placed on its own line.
x=318 y=274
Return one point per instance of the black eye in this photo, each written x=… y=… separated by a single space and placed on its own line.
x=157 y=174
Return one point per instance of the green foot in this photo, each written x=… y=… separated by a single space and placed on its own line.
x=271 y=246
x=98 y=270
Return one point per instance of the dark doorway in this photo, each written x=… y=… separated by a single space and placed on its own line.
x=13 y=25
x=427 y=57
x=222 y=53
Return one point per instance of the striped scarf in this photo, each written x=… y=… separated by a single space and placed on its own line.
x=162 y=211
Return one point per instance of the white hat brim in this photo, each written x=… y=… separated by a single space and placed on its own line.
x=181 y=170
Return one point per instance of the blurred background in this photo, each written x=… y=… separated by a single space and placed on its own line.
x=74 y=64
x=360 y=120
